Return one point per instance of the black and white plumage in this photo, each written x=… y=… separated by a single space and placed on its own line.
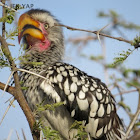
x=85 y=97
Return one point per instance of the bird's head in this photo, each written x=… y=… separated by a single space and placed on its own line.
x=38 y=30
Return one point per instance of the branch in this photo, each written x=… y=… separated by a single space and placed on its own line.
x=136 y=135
x=6 y=6
x=134 y=119
x=125 y=92
x=9 y=89
x=95 y=32
x=18 y=95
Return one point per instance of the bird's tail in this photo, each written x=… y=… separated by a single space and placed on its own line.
x=117 y=131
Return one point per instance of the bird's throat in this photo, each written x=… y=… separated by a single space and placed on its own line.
x=35 y=44
x=44 y=45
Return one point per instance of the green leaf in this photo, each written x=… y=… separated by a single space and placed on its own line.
x=50 y=134
x=123 y=56
x=81 y=135
x=52 y=107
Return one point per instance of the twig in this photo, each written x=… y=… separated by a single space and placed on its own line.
x=98 y=33
x=136 y=135
x=81 y=39
x=11 y=102
x=125 y=92
x=8 y=82
x=9 y=135
x=18 y=94
x=30 y=72
x=10 y=44
x=9 y=89
x=134 y=119
x=8 y=99
x=24 y=137
x=95 y=32
x=17 y=135
x=6 y=6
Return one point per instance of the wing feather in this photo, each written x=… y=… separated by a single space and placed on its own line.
x=86 y=98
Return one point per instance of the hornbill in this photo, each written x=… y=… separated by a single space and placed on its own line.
x=85 y=98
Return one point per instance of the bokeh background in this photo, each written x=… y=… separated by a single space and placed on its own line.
x=79 y=14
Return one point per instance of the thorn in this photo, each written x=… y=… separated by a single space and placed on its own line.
x=10 y=104
x=7 y=83
x=9 y=135
x=98 y=33
x=24 y=137
x=17 y=135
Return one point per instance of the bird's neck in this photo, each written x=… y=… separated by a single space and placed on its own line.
x=36 y=61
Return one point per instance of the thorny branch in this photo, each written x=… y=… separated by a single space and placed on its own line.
x=9 y=89
x=95 y=32
x=18 y=95
x=6 y=6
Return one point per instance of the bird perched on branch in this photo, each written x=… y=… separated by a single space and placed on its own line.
x=85 y=98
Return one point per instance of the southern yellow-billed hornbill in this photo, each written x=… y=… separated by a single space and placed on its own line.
x=85 y=98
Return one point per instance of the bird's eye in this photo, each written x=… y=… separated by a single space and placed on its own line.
x=46 y=26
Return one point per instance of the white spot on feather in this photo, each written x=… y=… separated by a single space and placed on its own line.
x=58 y=64
x=66 y=84
x=67 y=91
x=81 y=95
x=55 y=80
x=99 y=132
x=71 y=97
x=104 y=91
x=99 y=90
x=79 y=83
x=71 y=73
x=112 y=106
x=92 y=88
x=105 y=129
x=84 y=89
x=106 y=101
x=108 y=109
x=73 y=87
x=94 y=105
x=75 y=72
x=75 y=79
x=49 y=90
x=92 y=114
x=70 y=67
x=91 y=127
x=64 y=73
x=101 y=111
x=51 y=72
x=103 y=100
x=109 y=125
x=60 y=85
x=58 y=70
x=62 y=68
x=50 y=68
x=51 y=79
x=99 y=96
x=59 y=78
x=83 y=104
x=95 y=85
x=73 y=113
